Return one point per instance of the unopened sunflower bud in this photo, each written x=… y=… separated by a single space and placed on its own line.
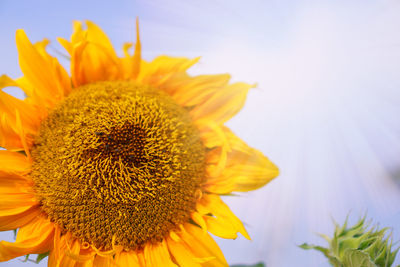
x=361 y=245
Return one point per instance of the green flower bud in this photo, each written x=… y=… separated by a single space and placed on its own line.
x=358 y=246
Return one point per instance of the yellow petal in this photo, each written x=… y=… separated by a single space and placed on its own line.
x=128 y=258
x=53 y=259
x=103 y=261
x=17 y=193
x=14 y=210
x=202 y=246
x=174 y=236
x=127 y=63
x=92 y=55
x=77 y=73
x=43 y=72
x=35 y=97
x=246 y=169
x=193 y=91
x=59 y=73
x=26 y=140
x=182 y=255
x=6 y=81
x=19 y=219
x=33 y=238
x=222 y=105
x=126 y=48
x=58 y=250
x=9 y=139
x=91 y=63
x=163 y=68
x=225 y=224
x=13 y=162
x=141 y=258
x=88 y=263
x=11 y=136
x=157 y=255
x=131 y=64
x=78 y=34
x=12 y=182
x=68 y=261
x=220 y=228
x=66 y=44
x=16 y=198
x=137 y=56
x=214 y=136
x=96 y=35
x=29 y=114
x=67 y=251
x=197 y=218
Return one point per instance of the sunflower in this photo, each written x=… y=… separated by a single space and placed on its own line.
x=122 y=162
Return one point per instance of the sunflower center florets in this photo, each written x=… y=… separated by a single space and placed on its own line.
x=118 y=160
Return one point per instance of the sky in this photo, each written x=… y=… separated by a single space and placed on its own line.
x=325 y=109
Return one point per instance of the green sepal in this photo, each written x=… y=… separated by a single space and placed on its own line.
x=319 y=248
x=40 y=257
x=357 y=258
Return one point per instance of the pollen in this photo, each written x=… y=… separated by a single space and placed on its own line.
x=118 y=163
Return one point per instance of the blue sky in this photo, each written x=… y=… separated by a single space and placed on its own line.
x=325 y=109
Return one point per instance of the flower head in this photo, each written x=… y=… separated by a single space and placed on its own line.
x=123 y=161
x=358 y=245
